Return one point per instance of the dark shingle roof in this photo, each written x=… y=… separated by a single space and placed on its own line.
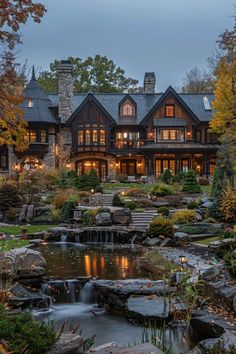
x=144 y=102
x=40 y=112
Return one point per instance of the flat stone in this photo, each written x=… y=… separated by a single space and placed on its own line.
x=227 y=341
x=68 y=343
x=154 y=308
x=122 y=216
x=103 y=219
x=211 y=326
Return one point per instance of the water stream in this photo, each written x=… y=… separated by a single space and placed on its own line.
x=73 y=296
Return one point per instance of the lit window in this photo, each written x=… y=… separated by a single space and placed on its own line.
x=127 y=110
x=87 y=137
x=30 y=104
x=80 y=137
x=173 y=134
x=43 y=136
x=95 y=137
x=169 y=110
x=32 y=135
x=102 y=137
x=165 y=134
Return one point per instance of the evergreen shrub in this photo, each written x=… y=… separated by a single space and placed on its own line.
x=161 y=226
x=190 y=183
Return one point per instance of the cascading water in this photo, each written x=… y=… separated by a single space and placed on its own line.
x=77 y=238
x=63 y=238
x=87 y=294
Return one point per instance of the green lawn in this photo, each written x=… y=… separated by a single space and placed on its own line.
x=17 y=230
x=10 y=244
x=145 y=186
x=206 y=241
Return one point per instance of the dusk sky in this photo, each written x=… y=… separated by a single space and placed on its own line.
x=167 y=37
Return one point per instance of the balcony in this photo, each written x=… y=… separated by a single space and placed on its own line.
x=37 y=149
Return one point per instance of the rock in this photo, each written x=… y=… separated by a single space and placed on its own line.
x=68 y=343
x=23 y=297
x=30 y=213
x=157 y=309
x=1 y=216
x=23 y=212
x=23 y=262
x=225 y=342
x=234 y=303
x=166 y=242
x=151 y=241
x=159 y=204
x=198 y=216
x=207 y=205
x=208 y=326
x=103 y=219
x=104 y=347
x=146 y=348
x=36 y=241
x=43 y=211
x=122 y=216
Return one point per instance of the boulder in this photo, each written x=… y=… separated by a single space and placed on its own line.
x=122 y=216
x=159 y=204
x=103 y=219
x=68 y=343
x=225 y=342
x=22 y=296
x=23 y=212
x=30 y=213
x=43 y=211
x=23 y=262
x=198 y=216
x=151 y=241
x=208 y=326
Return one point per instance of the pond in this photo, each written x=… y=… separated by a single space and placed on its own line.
x=72 y=260
x=68 y=261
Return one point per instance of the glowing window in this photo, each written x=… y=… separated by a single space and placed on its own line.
x=127 y=110
x=169 y=110
x=87 y=137
x=80 y=137
x=32 y=135
x=43 y=135
x=95 y=137
x=102 y=137
x=30 y=104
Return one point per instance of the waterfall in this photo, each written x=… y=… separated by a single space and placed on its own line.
x=77 y=238
x=87 y=293
x=71 y=290
x=132 y=241
x=63 y=238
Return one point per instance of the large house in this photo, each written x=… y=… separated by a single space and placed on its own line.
x=132 y=134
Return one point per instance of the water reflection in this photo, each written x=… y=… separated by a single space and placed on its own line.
x=69 y=260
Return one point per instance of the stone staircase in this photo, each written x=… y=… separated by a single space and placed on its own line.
x=107 y=199
x=144 y=218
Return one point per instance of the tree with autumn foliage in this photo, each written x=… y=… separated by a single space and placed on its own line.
x=13 y=14
x=224 y=120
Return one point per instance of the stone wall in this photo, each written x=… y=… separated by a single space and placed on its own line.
x=65 y=90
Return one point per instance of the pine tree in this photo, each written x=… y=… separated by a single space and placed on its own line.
x=217 y=183
x=167 y=176
x=190 y=183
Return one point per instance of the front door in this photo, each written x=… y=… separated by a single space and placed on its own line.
x=128 y=167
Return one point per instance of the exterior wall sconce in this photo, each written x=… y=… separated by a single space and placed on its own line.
x=139 y=164
x=117 y=165
x=188 y=134
x=17 y=167
x=68 y=165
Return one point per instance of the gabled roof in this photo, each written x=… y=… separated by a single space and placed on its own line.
x=144 y=104
x=90 y=97
x=40 y=112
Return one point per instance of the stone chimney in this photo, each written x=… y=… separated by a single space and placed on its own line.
x=149 y=83
x=65 y=90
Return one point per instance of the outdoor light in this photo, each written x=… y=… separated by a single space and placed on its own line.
x=68 y=165
x=117 y=165
x=17 y=167
x=122 y=193
x=92 y=190
x=182 y=260
x=188 y=133
x=139 y=164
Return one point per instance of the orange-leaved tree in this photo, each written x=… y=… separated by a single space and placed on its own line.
x=13 y=13
x=224 y=120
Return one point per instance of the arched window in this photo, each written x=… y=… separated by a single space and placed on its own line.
x=127 y=110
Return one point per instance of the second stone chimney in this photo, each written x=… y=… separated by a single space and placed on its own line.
x=149 y=83
x=65 y=90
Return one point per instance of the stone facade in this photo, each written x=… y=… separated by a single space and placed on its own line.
x=65 y=90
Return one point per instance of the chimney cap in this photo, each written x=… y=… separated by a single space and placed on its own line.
x=149 y=74
x=66 y=62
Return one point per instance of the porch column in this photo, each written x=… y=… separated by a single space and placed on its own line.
x=206 y=165
x=149 y=165
x=177 y=163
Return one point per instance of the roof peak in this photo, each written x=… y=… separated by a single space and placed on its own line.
x=33 y=77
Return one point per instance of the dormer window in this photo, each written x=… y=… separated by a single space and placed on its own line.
x=169 y=110
x=30 y=104
x=127 y=110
